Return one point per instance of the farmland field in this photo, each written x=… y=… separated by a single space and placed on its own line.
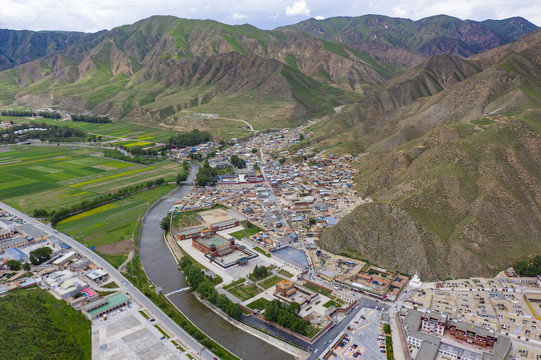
x=112 y=227
x=52 y=177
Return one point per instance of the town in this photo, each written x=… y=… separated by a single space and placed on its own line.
x=255 y=235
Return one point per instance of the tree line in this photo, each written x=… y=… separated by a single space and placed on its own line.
x=528 y=268
x=91 y=118
x=286 y=316
x=198 y=282
x=183 y=174
x=206 y=175
x=118 y=155
x=52 y=133
x=56 y=216
x=238 y=162
x=28 y=113
x=191 y=138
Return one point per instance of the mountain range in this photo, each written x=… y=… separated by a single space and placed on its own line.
x=453 y=165
x=447 y=111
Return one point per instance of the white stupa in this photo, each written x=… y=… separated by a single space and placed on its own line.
x=415 y=282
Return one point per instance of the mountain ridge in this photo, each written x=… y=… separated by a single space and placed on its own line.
x=454 y=173
x=417 y=40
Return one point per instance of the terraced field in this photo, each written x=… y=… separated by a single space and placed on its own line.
x=52 y=177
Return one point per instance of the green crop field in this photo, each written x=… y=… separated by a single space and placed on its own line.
x=112 y=227
x=52 y=177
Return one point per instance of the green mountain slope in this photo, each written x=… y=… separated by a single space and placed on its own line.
x=407 y=42
x=463 y=200
x=454 y=168
x=19 y=47
x=162 y=67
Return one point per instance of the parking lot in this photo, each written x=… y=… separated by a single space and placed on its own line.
x=126 y=334
x=360 y=338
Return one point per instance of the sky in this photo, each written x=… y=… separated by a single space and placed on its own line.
x=95 y=15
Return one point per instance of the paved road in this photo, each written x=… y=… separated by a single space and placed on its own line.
x=124 y=284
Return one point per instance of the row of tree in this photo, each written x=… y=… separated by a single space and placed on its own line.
x=191 y=138
x=91 y=119
x=119 y=155
x=141 y=151
x=183 y=174
x=198 y=282
x=56 y=216
x=206 y=175
x=286 y=316
x=28 y=113
x=52 y=133
x=237 y=162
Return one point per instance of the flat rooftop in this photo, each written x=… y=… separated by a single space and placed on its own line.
x=214 y=240
x=232 y=256
x=112 y=301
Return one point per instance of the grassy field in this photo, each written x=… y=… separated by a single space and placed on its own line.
x=249 y=230
x=244 y=292
x=285 y=273
x=258 y=304
x=261 y=251
x=52 y=177
x=111 y=228
x=330 y=303
x=269 y=282
x=35 y=325
x=318 y=289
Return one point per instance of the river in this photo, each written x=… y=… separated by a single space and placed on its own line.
x=162 y=269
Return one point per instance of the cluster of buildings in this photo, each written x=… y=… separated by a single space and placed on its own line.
x=67 y=274
x=16 y=235
x=430 y=333
x=474 y=319
x=288 y=292
x=217 y=248
x=79 y=282
x=508 y=305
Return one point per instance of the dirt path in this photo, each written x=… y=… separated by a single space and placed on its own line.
x=243 y=121
x=125 y=263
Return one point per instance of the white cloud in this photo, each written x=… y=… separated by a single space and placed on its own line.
x=319 y=17
x=84 y=15
x=238 y=16
x=298 y=8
